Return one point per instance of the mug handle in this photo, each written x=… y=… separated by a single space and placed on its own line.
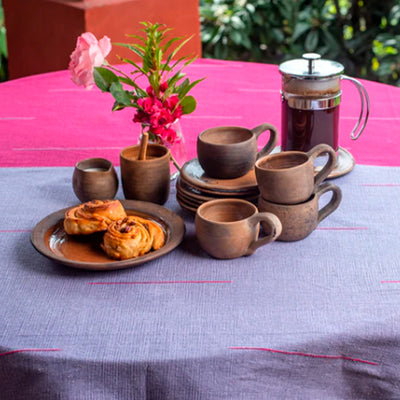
x=273 y=138
x=363 y=95
x=330 y=164
x=333 y=203
x=273 y=223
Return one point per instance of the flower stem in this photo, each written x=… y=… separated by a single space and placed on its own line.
x=177 y=166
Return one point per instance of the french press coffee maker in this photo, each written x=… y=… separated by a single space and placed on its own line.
x=311 y=96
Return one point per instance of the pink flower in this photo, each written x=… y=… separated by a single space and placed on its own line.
x=89 y=53
x=159 y=116
x=164 y=86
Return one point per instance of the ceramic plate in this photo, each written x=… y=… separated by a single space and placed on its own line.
x=193 y=174
x=84 y=251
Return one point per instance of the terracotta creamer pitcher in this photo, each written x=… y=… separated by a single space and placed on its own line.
x=310 y=103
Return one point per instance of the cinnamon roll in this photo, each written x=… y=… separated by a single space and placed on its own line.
x=93 y=216
x=132 y=237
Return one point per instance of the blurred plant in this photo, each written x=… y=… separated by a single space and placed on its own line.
x=3 y=48
x=361 y=34
x=386 y=48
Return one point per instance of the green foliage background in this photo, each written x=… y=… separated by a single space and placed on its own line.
x=364 y=35
x=3 y=47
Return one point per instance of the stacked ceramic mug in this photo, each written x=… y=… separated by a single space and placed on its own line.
x=290 y=189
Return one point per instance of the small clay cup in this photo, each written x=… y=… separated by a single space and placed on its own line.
x=94 y=179
x=149 y=179
x=229 y=228
x=288 y=177
x=299 y=220
x=228 y=152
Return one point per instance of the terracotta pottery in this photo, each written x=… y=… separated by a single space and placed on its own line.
x=288 y=177
x=94 y=179
x=299 y=220
x=228 y=152
x=229 y=228
x=149 y=179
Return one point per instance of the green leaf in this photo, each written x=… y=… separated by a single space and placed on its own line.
x=3 y=42
x=168 y=44
x=188 y=104
x=137 y=66
x=311 y=41
x=104 y=78
x=120 y=95
x=301 y=27
x=134 y=48
x=117 y=106
x=180 y=46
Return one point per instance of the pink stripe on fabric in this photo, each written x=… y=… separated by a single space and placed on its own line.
x=17 y=118
x=258 y=90
x=154 y=282
x=359 y=228
x=297 y=353
x=375 y=118
x=381 y=184
x=14 y=230
x=26 y=350
x=390 y=281
x=67 y=148
x=213 y=117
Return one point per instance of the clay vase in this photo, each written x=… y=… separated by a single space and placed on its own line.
x=148 y=179
x=94 y=179
x=288 y=177
x=299 y=220
x=228 y=152
x=229 y=228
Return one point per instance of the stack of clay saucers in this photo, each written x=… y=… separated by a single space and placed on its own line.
x=194 y=187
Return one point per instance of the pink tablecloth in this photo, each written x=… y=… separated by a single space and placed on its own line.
x=45 y=120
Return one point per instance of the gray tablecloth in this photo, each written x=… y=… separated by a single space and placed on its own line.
x=314 y=319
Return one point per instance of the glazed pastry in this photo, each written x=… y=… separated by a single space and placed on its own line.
x=132 y=237
x=93 y=216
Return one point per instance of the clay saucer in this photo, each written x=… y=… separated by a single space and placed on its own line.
x=197 y=194
x=187 y=201
x=344 y=164
x=194 y=175
x=186 y=206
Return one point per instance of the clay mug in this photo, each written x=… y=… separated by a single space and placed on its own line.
x=299 y=220
x=148 y=179
x=228 y=152
x=229 y=228
x=288 y=177
x=94 y=179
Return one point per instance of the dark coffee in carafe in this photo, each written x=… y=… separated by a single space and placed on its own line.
x=304 y=129
x=311 y=97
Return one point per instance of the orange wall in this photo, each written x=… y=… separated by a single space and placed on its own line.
x=41 y=34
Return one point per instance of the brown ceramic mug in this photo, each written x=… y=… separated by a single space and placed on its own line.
x=288 y=177
x=299 y=220
x=149 y=179
x=94 y=179
x=228 y=152
x=229 y=228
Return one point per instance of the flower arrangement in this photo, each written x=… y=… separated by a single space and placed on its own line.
x=165 y=98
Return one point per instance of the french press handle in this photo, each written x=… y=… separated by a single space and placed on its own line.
x=364 y=104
